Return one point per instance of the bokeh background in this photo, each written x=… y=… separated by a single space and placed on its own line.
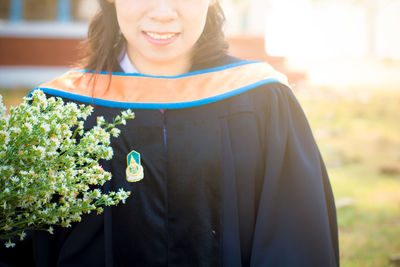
x=342 y=58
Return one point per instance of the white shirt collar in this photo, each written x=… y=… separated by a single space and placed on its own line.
x=125 y=63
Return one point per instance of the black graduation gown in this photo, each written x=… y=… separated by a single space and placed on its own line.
x=237 y=182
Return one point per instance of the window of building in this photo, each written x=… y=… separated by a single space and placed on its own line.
x=47 y=10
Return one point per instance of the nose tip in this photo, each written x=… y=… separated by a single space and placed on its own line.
x=163 y=11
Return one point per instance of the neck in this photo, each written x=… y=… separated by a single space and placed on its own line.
x=177 y=67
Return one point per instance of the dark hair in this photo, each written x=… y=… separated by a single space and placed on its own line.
x=104 y=43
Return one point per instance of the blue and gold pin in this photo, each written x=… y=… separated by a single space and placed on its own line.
x=134 y=170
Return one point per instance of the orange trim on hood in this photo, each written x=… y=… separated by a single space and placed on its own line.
x=147 y=89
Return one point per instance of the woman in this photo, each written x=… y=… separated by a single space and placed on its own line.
x=232 y=174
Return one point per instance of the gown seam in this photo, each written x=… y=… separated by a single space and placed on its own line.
x=166 y=177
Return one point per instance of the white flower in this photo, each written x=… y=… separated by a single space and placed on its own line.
x=42 y=151
x=45 y=127
x=86 y=111
x=22 y=235
x=34 y=120
x=127 y=114
x=4 y=136
x=50 y=230
x=108 y=153
x=122 y=195
x=49 y=161
x=15 y=130
x=96 y=193
x=115 y=132
x=73 y=107
x=28 y=126
x=2 y=107
x=100 y=120
x=9 y=244
x=55 y=142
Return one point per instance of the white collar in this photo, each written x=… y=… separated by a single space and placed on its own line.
x=126 y=64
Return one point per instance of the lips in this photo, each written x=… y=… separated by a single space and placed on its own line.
x=160 y=38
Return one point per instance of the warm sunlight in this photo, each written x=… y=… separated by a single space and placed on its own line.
x=343 y=39
x=332 y=29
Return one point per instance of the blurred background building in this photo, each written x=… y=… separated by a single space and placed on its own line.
x=39 y=39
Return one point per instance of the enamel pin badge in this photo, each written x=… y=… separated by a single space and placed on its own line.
x=134 y=171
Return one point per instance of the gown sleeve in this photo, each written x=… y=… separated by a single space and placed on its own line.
x=295 y=221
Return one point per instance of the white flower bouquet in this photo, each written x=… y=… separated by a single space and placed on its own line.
x=49 y=170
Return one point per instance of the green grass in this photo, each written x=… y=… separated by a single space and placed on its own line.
x=359 y=137
x=358 y=133
x=13 y=97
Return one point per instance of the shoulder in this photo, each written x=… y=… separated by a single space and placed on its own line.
x=224 y=60
x=270 y=102
x=273 y=95
x=273 y=91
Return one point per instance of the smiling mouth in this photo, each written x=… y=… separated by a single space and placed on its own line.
x=160 y=36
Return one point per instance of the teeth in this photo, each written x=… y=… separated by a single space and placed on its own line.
x=160 y=36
